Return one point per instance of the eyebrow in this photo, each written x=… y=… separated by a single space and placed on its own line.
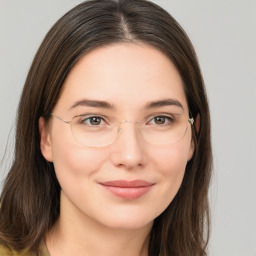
x=163 y=103
x=92 y=103
x=107 y=105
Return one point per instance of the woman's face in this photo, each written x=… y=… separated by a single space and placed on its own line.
x=128 y=183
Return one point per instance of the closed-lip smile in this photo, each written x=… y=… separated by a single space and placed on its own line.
x=128 y=190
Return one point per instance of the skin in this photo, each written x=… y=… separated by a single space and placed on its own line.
x=125 y=76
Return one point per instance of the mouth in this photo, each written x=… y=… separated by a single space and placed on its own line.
x=128 y=190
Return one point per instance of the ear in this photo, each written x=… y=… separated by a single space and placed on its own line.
x=45 y=140
x=197 y=123
x=192 y=143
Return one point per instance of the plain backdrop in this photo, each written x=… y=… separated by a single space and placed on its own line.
x=224 y=35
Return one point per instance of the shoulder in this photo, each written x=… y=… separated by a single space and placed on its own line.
x=5 y=250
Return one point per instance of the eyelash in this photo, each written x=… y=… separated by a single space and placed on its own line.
x=168 y=118
x=90 y=117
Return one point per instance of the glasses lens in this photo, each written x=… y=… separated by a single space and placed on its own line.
x=164 y=134
x=92 y=132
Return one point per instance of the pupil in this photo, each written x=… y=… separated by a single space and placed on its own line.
x=159 y=119
x=95 y=120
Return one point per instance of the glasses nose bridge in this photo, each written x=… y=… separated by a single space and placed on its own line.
x=127 y=121
x=136 y=135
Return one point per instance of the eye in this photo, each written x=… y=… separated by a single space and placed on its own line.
x=161 y=120
x=93 y=121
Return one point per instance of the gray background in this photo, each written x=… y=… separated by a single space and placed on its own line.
x=223 y=33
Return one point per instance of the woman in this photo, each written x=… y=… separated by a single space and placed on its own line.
x=112 y=153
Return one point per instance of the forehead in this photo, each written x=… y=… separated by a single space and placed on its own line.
x=125 y=75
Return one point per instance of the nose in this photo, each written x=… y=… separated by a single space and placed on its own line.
x=129 y=148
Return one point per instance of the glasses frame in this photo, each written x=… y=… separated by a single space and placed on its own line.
x=190 y=121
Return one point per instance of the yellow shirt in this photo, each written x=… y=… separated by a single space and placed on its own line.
x=5 y=250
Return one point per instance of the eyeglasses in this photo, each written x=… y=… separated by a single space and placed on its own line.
x=99 y=130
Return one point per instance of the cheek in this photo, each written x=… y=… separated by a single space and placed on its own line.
x=75 y=164
x=174 y=157
x=170 y=161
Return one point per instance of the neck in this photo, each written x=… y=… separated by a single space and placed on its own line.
x=81 y=235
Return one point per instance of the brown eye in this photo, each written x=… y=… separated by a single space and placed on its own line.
x=160 y=119
x=93 y=120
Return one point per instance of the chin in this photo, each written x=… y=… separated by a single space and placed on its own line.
x=128 y=220
x=130 y=225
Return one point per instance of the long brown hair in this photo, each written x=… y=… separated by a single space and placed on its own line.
x=30 y=200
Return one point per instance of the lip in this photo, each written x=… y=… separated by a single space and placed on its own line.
x=128 y=190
